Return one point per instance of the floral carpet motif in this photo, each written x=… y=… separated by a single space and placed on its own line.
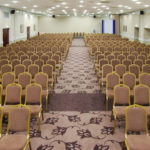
x=78 y=75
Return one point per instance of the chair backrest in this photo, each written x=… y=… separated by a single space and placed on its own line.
x=136 y=119
x=53 y=63
x=24 y=57
x=56 y=58
x=6 y=68
x=142 y=58
x=19 y=119
x=147 y=61
x=146 y=68
x=121 y=57
x=115 y=62
x=27 y=62
x=48 y=69
x=103 y=62
x=134 y=69
x=44 y=58
x=120 y=69
x=34 y=57
x=15 y=62
x=24 y=79
x=127 y=63
x=1 y=119
x=33 y=69
x=139 y=63
x=145 y=79
x=33 y=93
x=1 y=91
x=112 y=79
x=19 y=69
x=42 y=79
x=3 y=62
x=8 y=78
x=129 y=79
x=107 y=68
x=110 y=57
x=131 y=57
x=13 y=94
x=121 y=94
x=141 y=94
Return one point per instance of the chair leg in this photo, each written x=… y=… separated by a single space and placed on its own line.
x=111 y=116
x=106 y=103
x=30 y=145
x=114 y=124
x=123 y=145
x=39 y=123
x=46 y=102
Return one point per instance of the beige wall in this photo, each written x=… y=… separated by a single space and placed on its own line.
x=134 y=22
x=69 y=24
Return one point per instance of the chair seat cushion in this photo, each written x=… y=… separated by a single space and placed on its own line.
x=120 y=111
x=13 y=142
x=35 y=109
x=138 y=142
x=110 y=93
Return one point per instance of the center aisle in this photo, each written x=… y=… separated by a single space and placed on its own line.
x=75 y=120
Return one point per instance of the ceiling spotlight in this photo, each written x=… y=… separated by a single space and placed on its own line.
x=24 y=7
x=81 y=1
x=35 y=6
x=138 y=2
x=63 y=3
x=146 y=5
x=15 y=2
x=6 y=5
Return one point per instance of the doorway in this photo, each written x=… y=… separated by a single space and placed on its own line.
x=136 y=33
x=5 y=36
x=28 y=33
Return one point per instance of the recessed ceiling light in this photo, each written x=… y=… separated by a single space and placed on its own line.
x=134 y=0
x=98 y=3
x=57 y=6
x=15 y=2
x=24 y=7
x=103 y=6
x=53 y=8
x=138 y=2
x=81 y=6
x=66 y=7
x=63 y=3
x=146 y=5
x=35 y=6
x=94 y=7
x=107 y=8
x=74 y=9
x=81 y=1
x=120 y=5
x=6 y=4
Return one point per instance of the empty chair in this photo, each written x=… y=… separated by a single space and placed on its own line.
x=146 y=68
x=33 y=100
x=42 y=79
x=136 y=121
x=24 y=79
x=15 y=62
x=121 y=98
x=112 y=79
x=120 y=70
x=142 y=57
x=13 y=96
x=40 y=63
x=19 y=69
x=6 y=68
x=129 y=79
x=135 y=69
x=115 y=62
x=4 y=57
x=145 y=79
x=139 y=62
x=147 y=61
x=106 y=69
x=33 y=69
x=132 y=58
x=121 y=57
x=18 y=121
x=27 y=62
x=13 y=57
x=23 y=57
x=7 y=78
x=110 y=58
x=44 y=58
x=127 y=63
x=34 y=57
x=3 y=62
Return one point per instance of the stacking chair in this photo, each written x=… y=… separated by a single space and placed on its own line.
x=14 y=63
x=40 y=63
x=18 y=121
x=127 y=63
x=13 y=96
x=26 y=63
x=135 y=69
x=112 y=79
x=1 y=119
x=24 y=79
x=142 y=58
x=42 y=79
x=120 y=70
x=110 y=58
x=129 y=79
x=19 y=69
x=33 y=70
x=146 y=68
x=135 y=122
x=144 y=78
x=34 y=57
x=7 y=79
x=6 y=68
x=132 y=58
x=139 y=63
x=115 y=62
x=44 y=58
x=121 y=57
x=121 y=98
x=23 y=57
x=33 y=99
x=48 y=69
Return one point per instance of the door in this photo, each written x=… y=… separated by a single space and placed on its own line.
x=28 y=32
x=5 y=36
x=136 y=33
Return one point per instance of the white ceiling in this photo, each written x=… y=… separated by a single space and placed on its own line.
x=77 y=7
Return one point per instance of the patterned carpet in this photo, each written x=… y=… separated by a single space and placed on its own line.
x=76 y=119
